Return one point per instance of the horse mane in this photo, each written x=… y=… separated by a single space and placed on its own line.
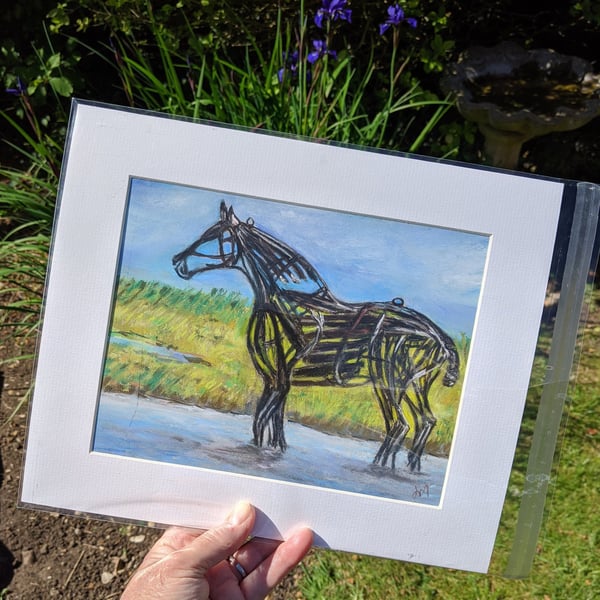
x=275 y=261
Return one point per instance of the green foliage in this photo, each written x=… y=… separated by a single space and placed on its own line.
x=26 y=211
x=329 y=98
x=433 y=46
x=588 y=10
x=212 y=23
x=49 y=76
x=27 y=196
x=43 y=79
x=233 y=23
x=22 y=272
x=27 y=199
x=456 y=139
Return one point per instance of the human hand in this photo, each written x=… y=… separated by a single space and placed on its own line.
x=188 y=564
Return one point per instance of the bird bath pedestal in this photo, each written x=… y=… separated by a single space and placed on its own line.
x=515 y=95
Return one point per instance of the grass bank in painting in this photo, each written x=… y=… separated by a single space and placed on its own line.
x=210 y=329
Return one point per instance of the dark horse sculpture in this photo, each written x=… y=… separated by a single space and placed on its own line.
x=301 y=334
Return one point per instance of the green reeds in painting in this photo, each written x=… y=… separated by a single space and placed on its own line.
x=206 y=327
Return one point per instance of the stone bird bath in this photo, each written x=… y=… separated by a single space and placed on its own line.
x=515 y=95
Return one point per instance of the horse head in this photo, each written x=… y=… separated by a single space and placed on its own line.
x=216 y=248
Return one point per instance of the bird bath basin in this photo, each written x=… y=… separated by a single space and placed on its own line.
x=515 y=95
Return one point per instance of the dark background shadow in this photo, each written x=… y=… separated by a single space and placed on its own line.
x=7 y=569
x=1 y=464
x=6 y=557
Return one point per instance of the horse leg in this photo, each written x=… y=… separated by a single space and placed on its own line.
x=424 y=423
x=392 y=443
x=269 y=418
x=418 y=446
x=267 y=341
x=383 y=354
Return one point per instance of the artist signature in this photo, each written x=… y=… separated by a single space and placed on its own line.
x=421 y=491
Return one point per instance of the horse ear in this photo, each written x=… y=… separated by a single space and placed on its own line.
x=224 y=214
x=231 y=217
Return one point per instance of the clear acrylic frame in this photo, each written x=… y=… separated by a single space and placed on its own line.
x=521 y=217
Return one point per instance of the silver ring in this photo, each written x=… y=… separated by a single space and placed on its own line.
x=238 y=567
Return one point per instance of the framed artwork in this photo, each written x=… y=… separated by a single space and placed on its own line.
x=273 y=342
x=340 y=336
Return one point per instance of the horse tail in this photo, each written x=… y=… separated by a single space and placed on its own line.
x=453 y=363
x=446 y=352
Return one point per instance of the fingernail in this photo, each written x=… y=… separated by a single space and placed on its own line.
x=240 y=513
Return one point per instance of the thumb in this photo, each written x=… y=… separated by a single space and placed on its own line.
x=218 y=543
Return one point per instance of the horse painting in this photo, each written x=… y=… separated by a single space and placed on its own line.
x=300 y=334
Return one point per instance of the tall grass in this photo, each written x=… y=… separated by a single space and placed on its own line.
x=27 y=197
x=27 y=200
x=330 y=99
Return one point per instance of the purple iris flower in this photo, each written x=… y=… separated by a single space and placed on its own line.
x=20 y=90
x=395 y=18
x=291 y=64
x=332 y=10
x=320 y=50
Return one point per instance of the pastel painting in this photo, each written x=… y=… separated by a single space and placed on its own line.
x=288 y=342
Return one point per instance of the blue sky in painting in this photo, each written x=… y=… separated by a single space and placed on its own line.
x=437 y=271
